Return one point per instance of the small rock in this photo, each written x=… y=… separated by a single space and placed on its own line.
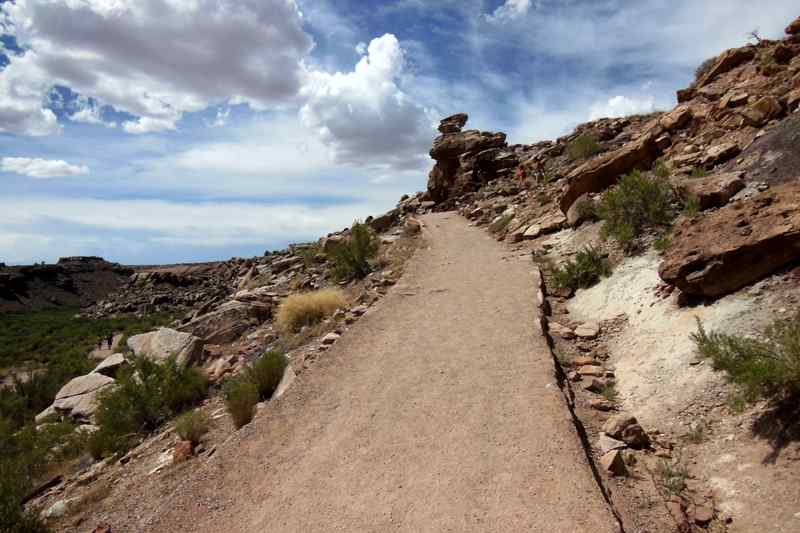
x=182 y=452
x=613 y=462
x=597 y=384
x=635 y=436
x=605 y=444
x=562 y=331
x=615 y=425
x=102 y=528
x=588 y=330
x=702 y=515
x=592 y=370
x=583 y=360
x=330 y=338
x=602 y=405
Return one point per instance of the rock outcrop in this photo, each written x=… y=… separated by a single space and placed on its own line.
x=466 y=160
x=78 y=398
x=227 y=322
x=164 y=343
x=723 y=251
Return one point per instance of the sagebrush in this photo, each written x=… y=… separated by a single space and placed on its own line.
x=241 y=396
x=192 y=426
x=635 y=204
x=351 y=258
x=588 y=267
x=582 y=147
x=266 y=373
x=308 y=309
x=760 y=368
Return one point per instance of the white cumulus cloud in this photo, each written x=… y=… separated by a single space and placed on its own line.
x=155 y=59
x=512 y=9
x=622 y=106
x=364 y=116
x=41 y=168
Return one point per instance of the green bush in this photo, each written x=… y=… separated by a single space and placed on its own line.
x=192 y=426
x=761 y=368
x=351 y=257
x=662 y=243
x=691 y=205
x=582 y=147
x=266 y=372
x=699 y=172
x=146 y=395
x=660 y=169
x=241 y=396
x=633 y=205
x=584 y=271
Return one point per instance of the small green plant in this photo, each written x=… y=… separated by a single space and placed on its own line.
x=266 y=372
x=241 y=396
x=662 y=243
x=146 y=395
x=760 y=368
x=351 y=258
x=696 y=433
x=583 y=147
x=635 y=204
x=737 y=402
x=609 y=392
x=673 y=476
x=660 y=169
x=691 y=206
x=192 y=426
x=699 y=172
x=564 y=359
x=584 y=271
x=501 y=223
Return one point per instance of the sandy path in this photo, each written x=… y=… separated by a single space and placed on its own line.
x=437 y=411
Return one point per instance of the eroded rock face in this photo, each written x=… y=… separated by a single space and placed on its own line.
x=164 y=343
x=719 y=253
x=465 y=160
x=602 y=172
x=728 y=60
x=713 y=191
x=794 y=27
x=228 y=321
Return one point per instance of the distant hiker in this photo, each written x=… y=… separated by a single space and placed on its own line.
x=110 y=340
x=100 y=344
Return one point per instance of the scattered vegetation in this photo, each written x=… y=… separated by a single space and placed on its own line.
x=760 y=368
x=309 y=254
x=698 y=172
x=587 y=210
x=609 y=392
x=584 y=271
x=241 y=397
x=691 y=205
x=583 y=147
x=53 y=344
x=635 y=204
x=501 y=223
x=673 y=476
x=266 y=372
x=146 y=395
x=662 y=243
x=660 y=169
x=308 y=309
x=696 y=433
x=351 y=258
x=192 y=426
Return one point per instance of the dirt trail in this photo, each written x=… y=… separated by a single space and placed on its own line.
x=438 y=411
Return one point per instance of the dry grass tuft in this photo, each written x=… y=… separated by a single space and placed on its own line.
x=308 y=309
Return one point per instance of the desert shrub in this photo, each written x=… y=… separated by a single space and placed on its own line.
x=266 y=373
x=673 y=476
x=698 y=172
x=691 y=205
x=309 y=254
x=192 y=426
x=308 y=309
x=704 y=67
x=635 y=204
x=584 y=271
x=241 y=396
x=501 y=223
x=660 y=169
x=760 y=368
x=351 y=258
x=582 y=147
x=146 y=395
x=662 y=243
x=587 y=210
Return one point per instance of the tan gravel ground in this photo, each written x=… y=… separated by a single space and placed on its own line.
x=437 y=411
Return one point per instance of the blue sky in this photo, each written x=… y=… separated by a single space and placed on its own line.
x=151 y=131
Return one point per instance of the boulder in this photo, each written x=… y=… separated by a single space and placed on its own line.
x=605 y=444
x=635 y=436
x=454 y=145
x=164 y=343
x=713 y=191
x=453 y=123
x=111 y=365
x=728 y=249
x=77 y=399
x=602 y=172
x=228 y=321
x=588 y=330
x=384 y=222
x=794 y=27
x=719 y=153
x=613 y=463
x=677 y=118
x=727 y=61
x=762 y=111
